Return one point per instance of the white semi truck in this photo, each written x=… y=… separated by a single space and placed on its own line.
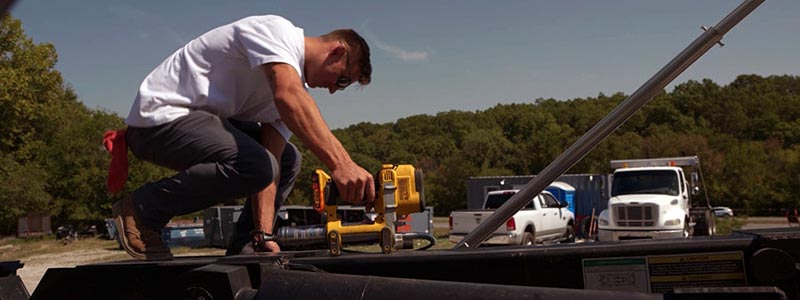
x=651 y=198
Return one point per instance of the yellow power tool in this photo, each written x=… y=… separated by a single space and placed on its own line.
x=400 y=192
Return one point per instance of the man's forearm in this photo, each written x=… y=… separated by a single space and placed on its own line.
x=303 y=118
x=264 y=202
x=264 y=208
x=300 y=113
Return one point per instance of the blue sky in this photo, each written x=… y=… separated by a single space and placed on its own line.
x=429 y=56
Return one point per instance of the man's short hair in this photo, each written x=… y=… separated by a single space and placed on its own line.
x=357 y=47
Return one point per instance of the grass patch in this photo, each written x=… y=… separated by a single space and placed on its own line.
x=442 y=238
x=22 y=249
x=727 y=225
x=19 y=249
x=196 y=251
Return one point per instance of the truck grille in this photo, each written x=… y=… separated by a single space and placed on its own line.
x=635 y=215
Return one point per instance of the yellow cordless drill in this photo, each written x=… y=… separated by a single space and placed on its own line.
x=400 y=192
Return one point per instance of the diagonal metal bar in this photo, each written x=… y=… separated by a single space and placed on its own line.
x=607 y=125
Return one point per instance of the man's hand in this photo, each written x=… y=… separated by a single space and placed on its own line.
x=270 y=246
x=355 y=185
x=264 y=242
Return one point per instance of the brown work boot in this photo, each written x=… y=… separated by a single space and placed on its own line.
x=140 y=242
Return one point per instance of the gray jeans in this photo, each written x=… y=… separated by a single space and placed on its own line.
x=216 y=159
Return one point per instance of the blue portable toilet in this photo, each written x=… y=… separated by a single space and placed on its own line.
x=563 y=192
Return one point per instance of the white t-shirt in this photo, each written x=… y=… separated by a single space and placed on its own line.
x=220 y=72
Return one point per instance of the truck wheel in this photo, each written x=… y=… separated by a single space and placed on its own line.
x=569 y=235
x=584 y=227
x=527 y=239
x=712 y=227
x=687 y=230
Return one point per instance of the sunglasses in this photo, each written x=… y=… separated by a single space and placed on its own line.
x=343 y=81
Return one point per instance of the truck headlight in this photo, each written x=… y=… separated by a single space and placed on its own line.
x=603 y=222
x=672 y=222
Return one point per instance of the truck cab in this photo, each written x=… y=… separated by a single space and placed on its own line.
x=651 y=198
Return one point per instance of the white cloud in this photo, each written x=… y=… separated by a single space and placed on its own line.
x=404 y=55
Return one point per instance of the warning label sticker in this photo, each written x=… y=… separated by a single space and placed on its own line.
x=695 y=270
x=662 y=273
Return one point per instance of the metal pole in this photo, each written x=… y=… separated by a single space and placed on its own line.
x=607 y=125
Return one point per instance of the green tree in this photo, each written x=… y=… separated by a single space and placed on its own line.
x=77 y=167
x=23 y=190
x=30 y=91
x=486 y=149
x=34 y=108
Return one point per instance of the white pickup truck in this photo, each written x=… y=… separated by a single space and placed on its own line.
x=543 y=219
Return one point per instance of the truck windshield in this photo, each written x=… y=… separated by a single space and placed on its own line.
x=663 y=182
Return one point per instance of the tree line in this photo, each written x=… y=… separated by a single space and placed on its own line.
x=747 y=134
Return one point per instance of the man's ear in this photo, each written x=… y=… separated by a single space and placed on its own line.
x=338 y=50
